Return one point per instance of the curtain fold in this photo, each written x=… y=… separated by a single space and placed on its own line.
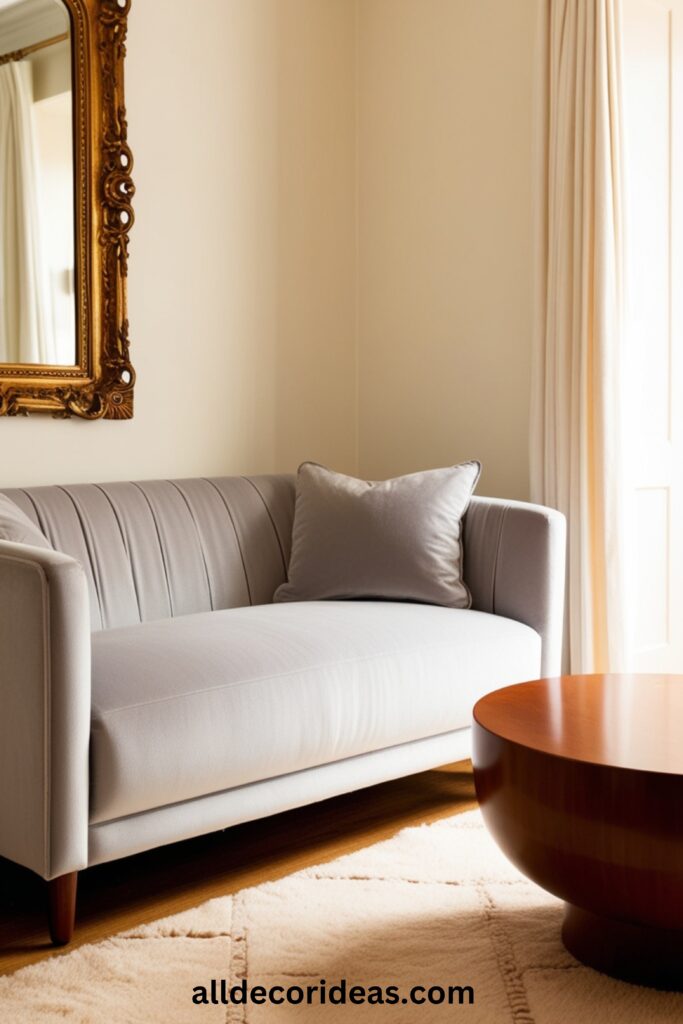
x=26 y=322
x=577 y=457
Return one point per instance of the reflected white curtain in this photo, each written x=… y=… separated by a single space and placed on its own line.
x=26 y=331
x=576 y=433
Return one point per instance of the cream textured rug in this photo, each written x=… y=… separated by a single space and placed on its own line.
x=437 y=905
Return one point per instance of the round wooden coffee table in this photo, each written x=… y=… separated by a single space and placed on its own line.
x=580 y=781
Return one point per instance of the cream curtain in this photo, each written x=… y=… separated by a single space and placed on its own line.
x=576 y=430
x=26 y=332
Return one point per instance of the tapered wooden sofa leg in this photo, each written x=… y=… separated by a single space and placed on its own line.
x=62 y=907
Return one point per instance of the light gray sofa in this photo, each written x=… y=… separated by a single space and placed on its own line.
x=150 y=691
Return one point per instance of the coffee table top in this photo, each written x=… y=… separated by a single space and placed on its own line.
x=622 y=721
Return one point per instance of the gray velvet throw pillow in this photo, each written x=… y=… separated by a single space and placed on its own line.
x=396 y=539
x=16 y=526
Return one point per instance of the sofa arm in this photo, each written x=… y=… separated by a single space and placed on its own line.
x=514 y=565
x=44 y=709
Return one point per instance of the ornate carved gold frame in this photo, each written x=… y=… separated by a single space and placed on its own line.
x=101 y=384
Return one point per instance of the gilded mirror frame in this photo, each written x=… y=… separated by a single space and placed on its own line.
x=100 y=384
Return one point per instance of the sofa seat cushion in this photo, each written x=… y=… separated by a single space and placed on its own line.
x=203 y=703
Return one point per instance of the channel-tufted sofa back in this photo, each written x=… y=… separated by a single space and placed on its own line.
x=169 y=547
x=163 y=548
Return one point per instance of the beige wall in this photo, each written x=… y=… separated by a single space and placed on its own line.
x=241 y=118
x=331 y=258
x=445 y=115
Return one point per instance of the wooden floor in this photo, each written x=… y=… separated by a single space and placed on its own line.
x=127 y=892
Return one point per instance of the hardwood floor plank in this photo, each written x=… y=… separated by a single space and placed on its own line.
x=135 y=890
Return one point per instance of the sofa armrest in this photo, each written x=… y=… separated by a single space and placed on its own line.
x=514 y=565
x=44 y=709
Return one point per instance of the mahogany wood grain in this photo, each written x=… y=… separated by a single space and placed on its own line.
x=580 y=781
x=626 y=721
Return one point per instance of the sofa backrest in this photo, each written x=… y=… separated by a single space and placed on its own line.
x=173 y=547
x=170 y=547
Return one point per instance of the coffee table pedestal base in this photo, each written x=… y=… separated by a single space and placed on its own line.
x=630 y=952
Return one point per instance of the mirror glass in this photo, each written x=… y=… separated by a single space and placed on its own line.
x=37 y=291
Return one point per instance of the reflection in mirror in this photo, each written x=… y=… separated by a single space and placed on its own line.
x=37 y=301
